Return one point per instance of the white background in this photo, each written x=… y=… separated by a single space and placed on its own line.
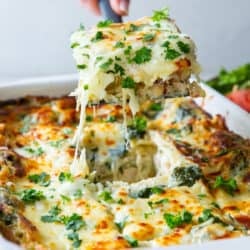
x=34 y=34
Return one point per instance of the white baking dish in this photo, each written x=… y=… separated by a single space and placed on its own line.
x=237 y=119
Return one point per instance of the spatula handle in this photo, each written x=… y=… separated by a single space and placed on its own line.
x=108 y=12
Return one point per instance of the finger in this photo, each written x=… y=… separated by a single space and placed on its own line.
x=120 y=6
x=92 y=5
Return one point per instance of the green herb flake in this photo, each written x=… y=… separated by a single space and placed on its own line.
x=30 y=196
x=153 y=204
x=74 y=222
x=111 y=119
x=156 y=107
x=120 y=225
x=57 y=143
x=132 y=242
x=106 y=196
x=148 y=37
x=171 y=54
x=106 y=65
x=73 y=236
x=142 y=55
x=65 y=176
x=132 y=28
x=128 y=50
x=89 y=118
x=174 y=221
x=38 y=151
x=104 y=24
x=202 y=196
x=65 y=198
x=42 y=179
x=166 y=44
x=229 y=186
x=52 y=215
x=119 y=69
x=184 y=47
x=159 y=15
x=98 y=36
x=67 y=131
x=128 y=83
x=147 y=192
x=81 y=66
x=78 y=194
x=206 y=215
x=74 y=45
x=119 y=44
x=86 y=87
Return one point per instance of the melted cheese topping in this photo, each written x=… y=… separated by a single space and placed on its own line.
x=140 y=52
x=129 y=197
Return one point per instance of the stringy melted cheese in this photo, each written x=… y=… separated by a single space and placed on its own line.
x=99 y=51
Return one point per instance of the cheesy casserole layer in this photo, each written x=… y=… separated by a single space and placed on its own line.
x=181 y=178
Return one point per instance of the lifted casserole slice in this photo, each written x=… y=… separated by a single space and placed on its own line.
x=135 y=61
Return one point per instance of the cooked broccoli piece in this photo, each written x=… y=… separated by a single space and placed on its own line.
x=186 y=176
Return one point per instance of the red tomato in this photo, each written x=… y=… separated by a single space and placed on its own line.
x=241 y=97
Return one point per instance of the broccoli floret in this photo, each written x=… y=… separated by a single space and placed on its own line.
x=186 y=176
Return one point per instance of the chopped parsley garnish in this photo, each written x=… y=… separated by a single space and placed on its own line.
x=106 y=196
x=156 y=107
x=184 y=47
x=38 y=151
x=42 y=179
x=132 y=28
x=78 y=194
x=148 y=37
x=73 y=236
x=132 y=242
x=127 y=51
x=120 y=225
x=119 y=44
x=111 y=119
x=27 y=122
x=138 y=127
x=30 y=196
x=73 y=45
x=98 y=36
x=107 y=64
x=104 y=24
x=65 y=176
x=147 y=192
x=166 y=44
x=177 y=220
x=86 y=87
x=142 y=55
x=171 y=54
x=229 y=186
x=81 y=66
x=119 y=69
x=89 y=118
x=172 y=36
x=128 y=83
x=81 y=27
x=206 y=215
x=201 y=196
x=52 y=215
x=159 y=15
x=65 y=198
x=67 y=131
x=57 y=143
x=74 y=222
x=153 y=204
